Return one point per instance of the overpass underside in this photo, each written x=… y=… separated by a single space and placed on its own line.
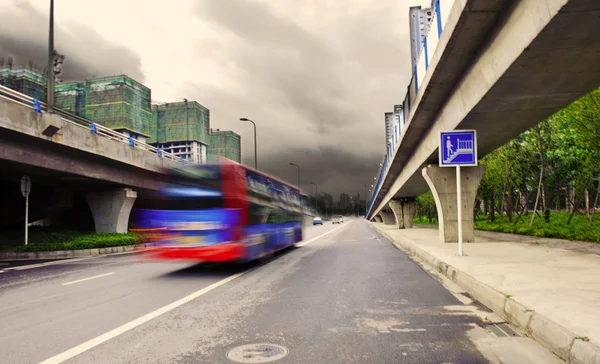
x=501 y=67
x=86 y=180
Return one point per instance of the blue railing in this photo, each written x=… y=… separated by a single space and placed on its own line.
x=440 y=14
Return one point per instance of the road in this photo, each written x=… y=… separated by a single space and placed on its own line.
x=347 y=295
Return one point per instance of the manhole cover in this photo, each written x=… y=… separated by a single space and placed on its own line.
x=257 y=353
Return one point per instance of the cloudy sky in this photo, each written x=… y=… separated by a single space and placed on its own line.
x=315 y=75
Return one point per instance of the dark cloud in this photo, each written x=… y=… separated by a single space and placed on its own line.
x=348 y=171
x=317 y=90
x=24 y=37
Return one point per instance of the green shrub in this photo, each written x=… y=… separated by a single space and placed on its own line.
x=87 y=241
x=578 y=229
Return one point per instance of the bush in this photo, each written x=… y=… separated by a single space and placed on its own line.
x=578 y=229
x=557 y=228
x=87 y=241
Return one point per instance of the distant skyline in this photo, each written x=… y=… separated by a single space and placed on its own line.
x=316 y=80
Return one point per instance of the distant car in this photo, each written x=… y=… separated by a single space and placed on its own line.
x=336 y=220
x=317 y=221
x=342 y=218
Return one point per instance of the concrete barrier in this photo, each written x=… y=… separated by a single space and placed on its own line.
x=60 y=254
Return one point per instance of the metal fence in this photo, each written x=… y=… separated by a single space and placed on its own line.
x=101 y=131
x=441 y=10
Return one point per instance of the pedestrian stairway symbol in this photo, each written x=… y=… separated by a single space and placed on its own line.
x=458 y=148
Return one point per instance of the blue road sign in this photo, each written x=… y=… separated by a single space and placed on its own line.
x=458 y=148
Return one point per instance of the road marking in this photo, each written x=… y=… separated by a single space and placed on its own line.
x=66 y=355
x=320 y=236
x=87 y=279
x=90 y=344
x=61 y=261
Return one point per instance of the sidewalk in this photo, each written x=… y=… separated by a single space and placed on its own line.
x=551 y=293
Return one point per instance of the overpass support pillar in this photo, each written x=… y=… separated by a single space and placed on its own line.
x=404 y=210
x=388 y=217
x=111 y=209
x=378 y=218
x=442 y=181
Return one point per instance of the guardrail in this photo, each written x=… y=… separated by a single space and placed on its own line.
x=441 y=11
x=29 y=102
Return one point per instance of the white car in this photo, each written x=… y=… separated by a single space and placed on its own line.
x=336 y=220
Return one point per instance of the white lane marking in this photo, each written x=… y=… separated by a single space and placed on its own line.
x=88 y=278
x=315 y=238
x=61 y=261
x=66 y=355
x=81 y=348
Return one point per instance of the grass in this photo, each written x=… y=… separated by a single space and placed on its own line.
x=578 y=229
x=51 y=239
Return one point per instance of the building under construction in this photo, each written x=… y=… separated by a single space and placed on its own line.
x=124 y=105
x=224 y=143
x=181 y=128
x=27 y=81
x=119 y=103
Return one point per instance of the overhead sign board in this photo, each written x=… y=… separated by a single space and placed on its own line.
x=458 y=148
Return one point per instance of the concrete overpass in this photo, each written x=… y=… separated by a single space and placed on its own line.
x=64 y=155
x=499 y=67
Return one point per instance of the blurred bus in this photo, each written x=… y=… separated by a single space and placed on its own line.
x=223 y=212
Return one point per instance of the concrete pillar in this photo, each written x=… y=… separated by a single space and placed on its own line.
x=397 y=207
x=410 y=209
x=388 y=217
x=404 y=209
x=111 y=209
x=378 y=218
x=442 y=181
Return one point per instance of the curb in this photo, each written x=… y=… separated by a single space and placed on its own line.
x=57 y=254
x=562 y=342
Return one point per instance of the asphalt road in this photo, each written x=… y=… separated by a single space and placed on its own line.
x=346 y=296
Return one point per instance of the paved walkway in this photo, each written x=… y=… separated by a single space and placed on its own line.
x=560 y=284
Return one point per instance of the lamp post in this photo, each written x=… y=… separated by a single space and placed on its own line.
x=294 y=164
x=316 y=197
x=50 y=73
x=255 y=154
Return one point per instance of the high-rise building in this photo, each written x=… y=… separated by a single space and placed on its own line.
x=327 y=200
x=182 y=128
x=389 y=127
x=28 y=81
x=224 y=143
x=419 y=20
x=399 y=118
x=344 y=201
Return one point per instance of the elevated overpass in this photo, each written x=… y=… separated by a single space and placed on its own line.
x=64 y=153
x=499 y=67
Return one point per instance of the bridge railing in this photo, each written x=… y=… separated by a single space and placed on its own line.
x=27 y=101
x=441 y=11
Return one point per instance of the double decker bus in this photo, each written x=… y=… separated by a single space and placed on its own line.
x=223 y=212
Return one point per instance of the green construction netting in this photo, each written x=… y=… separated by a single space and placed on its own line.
x=70 y=97
x=226 y=144
x=180 y=121
x=118 y=102
x=26 y=81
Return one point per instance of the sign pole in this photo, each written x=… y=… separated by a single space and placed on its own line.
x=25 y=190
x=26 y=217
x=459 y=206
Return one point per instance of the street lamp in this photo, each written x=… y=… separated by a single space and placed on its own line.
x=50 y=73
x=255 y=154
x=294 y=164
x=316 y=197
